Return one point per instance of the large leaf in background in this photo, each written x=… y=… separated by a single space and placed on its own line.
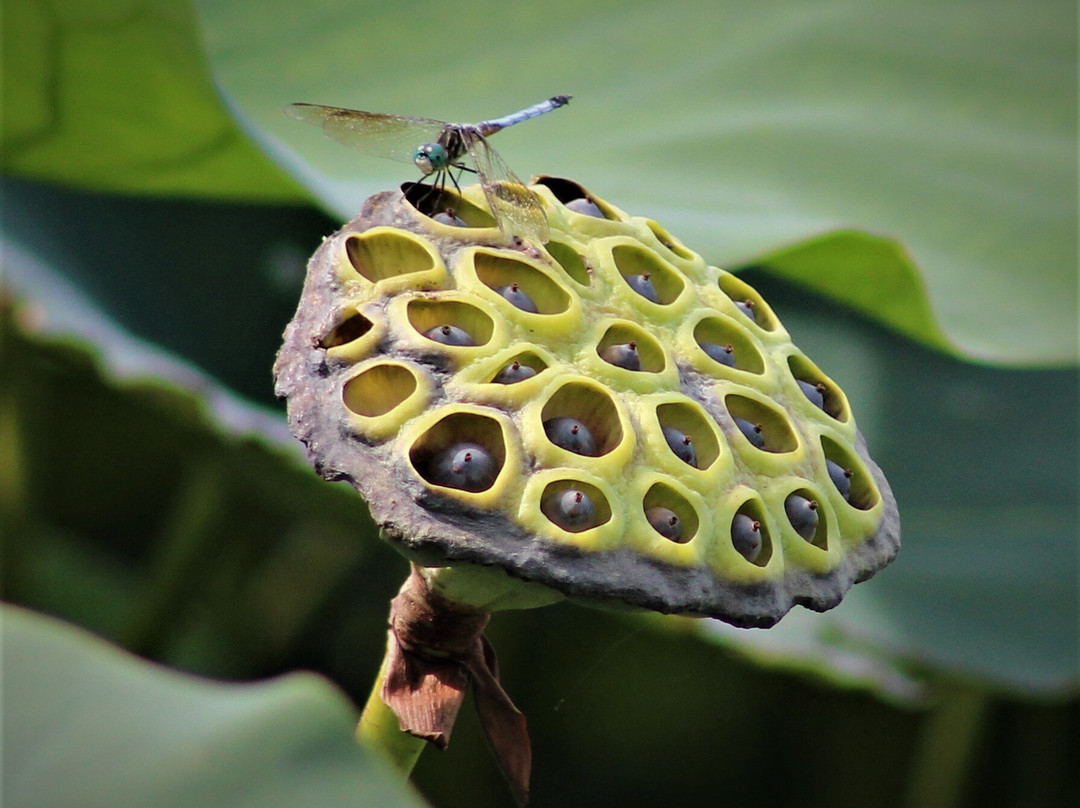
x=988 y=513
x=116 y=96
x=86 y=724
x=742 y=127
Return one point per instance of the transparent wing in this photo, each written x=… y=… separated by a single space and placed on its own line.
x=517 y=210
x=395 y=137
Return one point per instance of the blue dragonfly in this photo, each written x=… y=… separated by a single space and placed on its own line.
x=437 y=147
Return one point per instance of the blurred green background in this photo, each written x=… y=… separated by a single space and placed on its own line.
x=898 y=180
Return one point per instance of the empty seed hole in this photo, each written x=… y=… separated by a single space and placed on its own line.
x=570 y=260
x=665 y=238
x=771 y=426
x=463 y=450
x=592 y=407
x=354 y=326
x=379 y=389
x=382 y=254
x=520 y=284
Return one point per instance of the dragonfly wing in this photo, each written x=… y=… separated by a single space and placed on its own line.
x=517 y=210
x=395 y=137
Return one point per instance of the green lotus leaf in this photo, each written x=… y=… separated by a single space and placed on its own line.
x=88 y=724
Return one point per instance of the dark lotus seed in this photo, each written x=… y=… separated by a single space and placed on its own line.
x=513 y=373
x=571 y=510
x=814 y=392
x=724 y=354
x=468 y=466
x=803 y=515
x=746 y=536
x=449 y=335
x=643 y=285
x=752 y=432
x=665 y=522
x=841 y=478
x=747 y=308
x=681 y=444
x=623 y=355
x=586 y=207
x=570 y=434
x=516 y=296
x=448 y=217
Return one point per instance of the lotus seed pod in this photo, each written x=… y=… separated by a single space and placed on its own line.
x=746 y=536
x=550 y=402
x=467 y=466
x=623 y=355
x=449 y=335
x=571 y=510
x=514 y=372
x=841 y=478
x=515 y=295
x=665 y=522
x=681 y=444
x=803 y=515
x=814 y=392
x=724 y=354
x=753 y=432
x=570 y=434
x=643 y=285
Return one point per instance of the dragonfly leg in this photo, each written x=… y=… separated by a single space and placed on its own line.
x=453 y=179
x=421 y=201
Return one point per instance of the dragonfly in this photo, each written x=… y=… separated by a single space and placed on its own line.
x=437 y=148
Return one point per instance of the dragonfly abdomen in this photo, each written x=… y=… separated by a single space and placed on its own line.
x=491 y=127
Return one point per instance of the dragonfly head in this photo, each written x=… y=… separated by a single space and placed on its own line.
x=431 y=157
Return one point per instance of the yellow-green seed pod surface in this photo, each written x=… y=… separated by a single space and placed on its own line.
x=605 y=414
